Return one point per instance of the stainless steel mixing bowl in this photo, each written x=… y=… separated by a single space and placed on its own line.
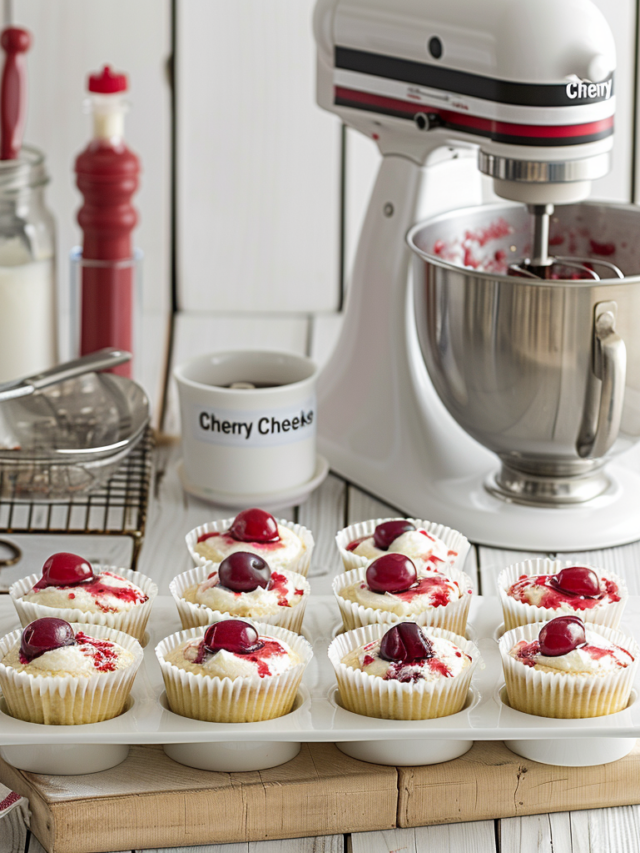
x=546 y=374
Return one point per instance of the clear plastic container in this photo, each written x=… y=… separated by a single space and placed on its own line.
x=28 y=305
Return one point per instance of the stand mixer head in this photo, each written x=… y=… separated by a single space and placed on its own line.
x=536 y=103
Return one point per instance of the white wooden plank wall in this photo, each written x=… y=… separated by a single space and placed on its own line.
x=72 y=38
x=621 y=16
x=258 y=161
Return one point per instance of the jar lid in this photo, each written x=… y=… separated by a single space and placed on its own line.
x=107 y=82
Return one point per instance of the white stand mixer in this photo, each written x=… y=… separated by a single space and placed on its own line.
x=416 y=75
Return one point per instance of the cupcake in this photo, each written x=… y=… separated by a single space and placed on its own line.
x=433 y=546
x=56 y=673
x=233 y=671
x=391 y=589
x=243 y=585
x=283 y=544
x=539 y=590
x=568 y=669
x=404 y=672
x=70 y=589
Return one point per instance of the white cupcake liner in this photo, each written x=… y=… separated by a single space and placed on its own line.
x=238 y=700
x=451 y=617
x=133 y=621
x=373 y=696
x=454 y=541
x=69 y=700
x=562 y=695
x=195 y=615
x=518 y=613
x=300 y=564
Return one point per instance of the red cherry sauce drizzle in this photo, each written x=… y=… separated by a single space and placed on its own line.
x=126 y=594
x=553 y=598
x=103 y=653
x=353 y=545
x=204 y=536
x=269 y=649
x=528 y=653
x=436 y=587
x=598 y=653
x=409 y=673
x=99 y=589
x=278 y=584
x=229 y=540
x=428 y=535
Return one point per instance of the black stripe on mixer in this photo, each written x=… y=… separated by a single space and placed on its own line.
x=461 y=82
x=498 y=131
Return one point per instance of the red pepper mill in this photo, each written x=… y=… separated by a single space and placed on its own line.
x=107 y=176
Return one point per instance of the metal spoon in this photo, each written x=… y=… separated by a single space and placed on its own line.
x=103 y=359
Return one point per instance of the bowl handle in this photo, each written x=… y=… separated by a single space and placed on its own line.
x=605 y=392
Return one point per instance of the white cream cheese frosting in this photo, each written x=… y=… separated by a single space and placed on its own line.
x=88 y=657
x=108 y=593
x=448 y=661
x=274 y=658
x=279 y=554
x=429 y=552
x=598 y=656
x=283 y=592
x=431 y=590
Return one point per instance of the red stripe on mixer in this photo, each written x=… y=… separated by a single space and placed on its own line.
x=474 y=124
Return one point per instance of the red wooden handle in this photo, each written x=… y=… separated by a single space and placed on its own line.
x=13 y=91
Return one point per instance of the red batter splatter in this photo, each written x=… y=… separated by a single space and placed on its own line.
x=603 y=249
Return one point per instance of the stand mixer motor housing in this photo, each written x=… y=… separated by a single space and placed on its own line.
x=538 y=103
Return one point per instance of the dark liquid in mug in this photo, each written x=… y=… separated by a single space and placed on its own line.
x=253 y=385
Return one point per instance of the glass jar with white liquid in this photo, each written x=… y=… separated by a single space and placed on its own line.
x=28 y=307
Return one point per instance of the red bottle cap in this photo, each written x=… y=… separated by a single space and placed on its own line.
x=107 y=82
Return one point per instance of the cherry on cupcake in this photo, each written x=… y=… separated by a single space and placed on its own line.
x=44 y=635
x=254 y=525
x=561 y=636
x=391 y=573
x=388 y=531
x=244 y=572
x=233 y=635
x=65 y=569
x=405 y=643
x=578 y=580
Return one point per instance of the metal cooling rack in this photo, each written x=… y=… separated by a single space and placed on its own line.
x=119 y=508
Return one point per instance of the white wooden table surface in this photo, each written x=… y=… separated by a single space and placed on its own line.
x=336 y=503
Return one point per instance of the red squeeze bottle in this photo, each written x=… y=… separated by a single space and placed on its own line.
x=13 y=91
x=107 y=176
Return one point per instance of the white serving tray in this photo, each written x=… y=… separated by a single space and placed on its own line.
x=318 y=715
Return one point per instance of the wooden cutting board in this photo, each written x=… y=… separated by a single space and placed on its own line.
x=150 y=801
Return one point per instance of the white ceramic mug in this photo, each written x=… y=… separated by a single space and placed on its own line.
x=247 y=441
